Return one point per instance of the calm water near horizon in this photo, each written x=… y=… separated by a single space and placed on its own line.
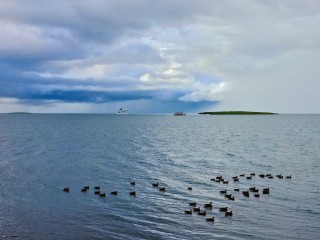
x=40 y=154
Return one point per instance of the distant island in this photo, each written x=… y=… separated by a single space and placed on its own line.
x=237 y=113
x=20 y=113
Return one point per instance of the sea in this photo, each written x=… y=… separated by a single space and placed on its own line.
x=41 y=154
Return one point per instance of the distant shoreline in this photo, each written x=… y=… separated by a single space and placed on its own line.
x=237 y=113
x=20 y=113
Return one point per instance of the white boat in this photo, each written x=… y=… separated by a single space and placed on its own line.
x=123 y=111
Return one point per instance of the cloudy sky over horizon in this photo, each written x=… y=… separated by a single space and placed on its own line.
x=154 y=56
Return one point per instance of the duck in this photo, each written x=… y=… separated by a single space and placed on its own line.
x=66 y=189
x=288 y=177
x=208 y=205
x=133 y=183
x=203 y=213
x=97 y=188
x=228 y=214
x=86 y=187
x=231 y=198
x=133 y=193
x=242 y=175
x=196 y=209
x=249 y=177
x=223 y=209
x=97 y=192
x=227 y=195
x=245 y=193
x=114 y=193
x=236 y=179
x=254 y=189
x=261 y=175
x=84 y=190
x=102 y=195
x=266 y=191
x=210 y=219
x=236 y=189
x=252 y=174
x=188 y=212
x=193 y=204
x=190 y=188
x=223 y=191
x=279 y=176
x=212 y=179
x=155 y=184
x=225 y=182
x=270 y=177
x=162 y=189
x=256 y=195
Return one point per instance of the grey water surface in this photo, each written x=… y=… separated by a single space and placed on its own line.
x=40 y=154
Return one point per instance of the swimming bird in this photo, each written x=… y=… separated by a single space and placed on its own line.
x=231 y=197
x=188 y=212
x=212 y=179
x=288 y=177
x=193 y=204
x=66 y=189
x=196 y=209
x=133 y=183
x=155 y=184
x=236 y=189
x=102 y=195
x=84 y=190
x=208 y=205
x=86 y=187
x=97 y=187
x=228 y=214
x=210 y=219
x=242 y=175
x=223 y=209
x=203 y=213
x=225 y=182
x=266 y=191
x=249 y=177
x=223 y=191
x=162 y=189
x=261 y=175
x=190 y=188
x=279 y=176
x=114 y=193
x=245 y=193
x=256 y=195
x=252 y=174
x=270 y=177
x=97 y=192
x=254 y=189
x=227 y=195
x=133 y=193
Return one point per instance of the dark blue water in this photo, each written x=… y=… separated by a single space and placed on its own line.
x=40 y=154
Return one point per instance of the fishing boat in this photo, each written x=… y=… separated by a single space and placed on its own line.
x=123 y=111
x=179 y=114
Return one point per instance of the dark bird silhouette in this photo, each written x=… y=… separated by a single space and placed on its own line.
x=266 y=191
x=133 y=193
x=97 y=188
x=102 y=195
x=223 y=191
x=188 y=212
x=245 y=193
x=288 y=177
x=203 y=213
x=210 y=219
x=114 y=193
x=196 y=209
x=262 y=175
x=162 y=189
x=133 y=183
x=256 y=195
x=97 y=192
x=208 y=205
x=228 y=214
x=236 y=189
x=193 y=204
x=190 y=188
x=155 y=184
x=223 y=209
x=66 y=189
x=84 y=190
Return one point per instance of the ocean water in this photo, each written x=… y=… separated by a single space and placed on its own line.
x=40 y=154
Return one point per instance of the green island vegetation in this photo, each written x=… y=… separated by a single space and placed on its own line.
x=236 y=113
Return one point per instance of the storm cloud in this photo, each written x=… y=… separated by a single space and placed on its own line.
x=183 y=55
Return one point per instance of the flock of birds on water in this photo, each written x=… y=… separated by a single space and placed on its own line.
x=195 y=207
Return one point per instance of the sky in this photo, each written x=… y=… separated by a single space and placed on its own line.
x=159 y=56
